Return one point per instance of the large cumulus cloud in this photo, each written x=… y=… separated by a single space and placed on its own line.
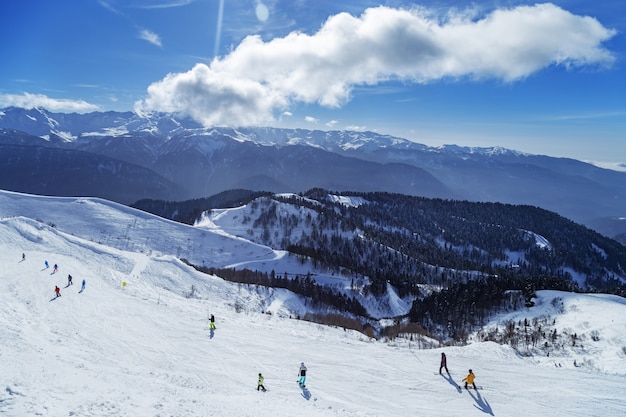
x=259 y=78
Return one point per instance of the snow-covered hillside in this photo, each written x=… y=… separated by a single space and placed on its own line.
x=144 y=349
x=210 y=245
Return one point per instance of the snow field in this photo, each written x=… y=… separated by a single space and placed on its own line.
x=145 y=350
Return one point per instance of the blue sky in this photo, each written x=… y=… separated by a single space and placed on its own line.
x=540 y=78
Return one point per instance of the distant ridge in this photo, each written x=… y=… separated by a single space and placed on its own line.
x=199 y=162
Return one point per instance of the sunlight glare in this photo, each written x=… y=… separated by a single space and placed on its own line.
x=262 y=12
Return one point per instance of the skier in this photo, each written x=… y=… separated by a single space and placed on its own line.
x=23 y=256
x=260 y=383
x=469 y=379
x=82 y=287
x=444 y=363
x=56 y=268
x=69 y=280
x=57 y=290
x=46 y=264
x=302 y=375
x=212 y=324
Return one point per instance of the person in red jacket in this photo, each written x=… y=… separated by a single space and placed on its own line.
x=57 y=291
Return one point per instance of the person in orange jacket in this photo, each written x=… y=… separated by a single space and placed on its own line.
x=469 y=379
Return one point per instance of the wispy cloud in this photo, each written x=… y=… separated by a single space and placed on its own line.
x=615 y=166
x=258 y=78
x=109 y=7
x=587 y=116
x=165 y=4
x=150 y=36
x=145 y=34
x=356 y=128
x=311 y=119
x=29 y=101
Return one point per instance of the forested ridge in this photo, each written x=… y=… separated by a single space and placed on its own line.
x=407 y=240
x=461 y=261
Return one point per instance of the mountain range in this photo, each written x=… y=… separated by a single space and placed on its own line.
x=126 y=157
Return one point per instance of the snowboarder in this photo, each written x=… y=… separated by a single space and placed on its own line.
x=23 y=256
x=82 y=287
x=444 y=363
x=469 y=379
x=56 y=268
x=46 y=264
x=212 y=322
x=260 y=383
x=57 y=291
x=69 y=280
x=302 y=375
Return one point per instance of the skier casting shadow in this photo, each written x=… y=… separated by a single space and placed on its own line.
x=302 y=381
x=306 y=393
x=452 y=382
x=57 y=293
x=481 y=403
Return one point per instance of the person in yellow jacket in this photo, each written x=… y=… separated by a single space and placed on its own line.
x=469 y=379
x=260 y=383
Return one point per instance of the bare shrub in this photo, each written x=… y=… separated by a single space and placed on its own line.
x=338 y=320
x=192 y=293
x=406 y=330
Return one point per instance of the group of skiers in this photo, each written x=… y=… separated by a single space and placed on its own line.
x=55 y=268
x=469 y=379
x=260 y=385
x=57 y=290
x=301 y=378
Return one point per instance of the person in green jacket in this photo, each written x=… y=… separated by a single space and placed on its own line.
x=260 y=383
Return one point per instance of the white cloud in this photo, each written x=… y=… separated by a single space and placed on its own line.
x=356 y=128
x=311 y=119
x=29 y=101
x=331 y=123
x=151 y=37
x=258 y=78
x=165 y=5
x=212 y=98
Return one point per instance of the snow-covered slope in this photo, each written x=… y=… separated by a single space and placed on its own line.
x=209 y=245
x=125 y=228
x=143 y=348
x=589 y=330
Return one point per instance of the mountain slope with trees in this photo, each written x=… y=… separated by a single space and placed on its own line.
x=460 y=261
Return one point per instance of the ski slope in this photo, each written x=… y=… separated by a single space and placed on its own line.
x=132 y=344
